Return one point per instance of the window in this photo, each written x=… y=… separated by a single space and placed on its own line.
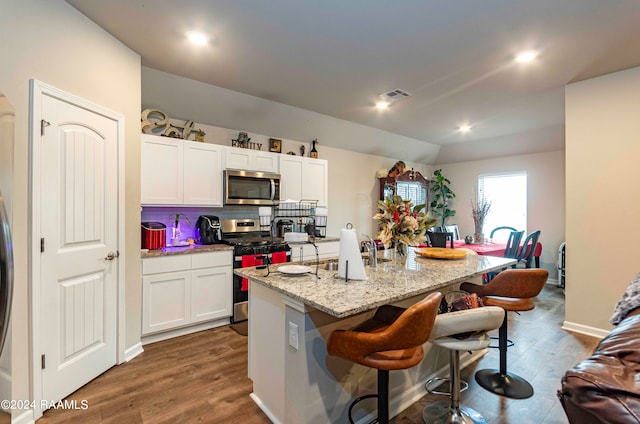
x=508 y=196
x=415 y=192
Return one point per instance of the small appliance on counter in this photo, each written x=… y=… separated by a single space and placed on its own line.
x=209 y=229
x=154 y=235
x=284 y=226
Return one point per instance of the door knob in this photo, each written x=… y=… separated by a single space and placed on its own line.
x=112 y=255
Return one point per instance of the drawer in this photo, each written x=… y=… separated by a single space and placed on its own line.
x=211 y=259
x=166 y=264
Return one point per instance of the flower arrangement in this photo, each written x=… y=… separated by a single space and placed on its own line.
x=401 y=222
x=480 y=209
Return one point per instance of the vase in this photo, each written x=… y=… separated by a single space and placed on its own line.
x=478 y=238
x=399 y=256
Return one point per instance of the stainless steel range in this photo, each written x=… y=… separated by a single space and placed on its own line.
x=250 y=246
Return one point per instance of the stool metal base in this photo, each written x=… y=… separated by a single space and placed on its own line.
x=508 y=385
x=442 y=413
x=463 y=386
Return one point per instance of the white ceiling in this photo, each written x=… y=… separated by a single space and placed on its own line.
x=334 y=57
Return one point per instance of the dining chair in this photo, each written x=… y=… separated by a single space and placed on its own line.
x=439 y=238
x=453 y=229
x=511 y=251
x=495 y=230
x=527 y=250
x=513 y=244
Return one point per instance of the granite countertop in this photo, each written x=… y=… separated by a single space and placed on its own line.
x=341 y=299
x=183 y=250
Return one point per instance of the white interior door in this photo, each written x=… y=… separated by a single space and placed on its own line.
x=79 y=227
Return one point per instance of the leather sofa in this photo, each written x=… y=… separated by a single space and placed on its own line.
x=605 y=388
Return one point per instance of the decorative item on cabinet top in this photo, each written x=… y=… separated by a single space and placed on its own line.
x=244 y=142
x=275 y=145
x=154 y=119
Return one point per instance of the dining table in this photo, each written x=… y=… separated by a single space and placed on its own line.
x=492 y=248
x=485 y=249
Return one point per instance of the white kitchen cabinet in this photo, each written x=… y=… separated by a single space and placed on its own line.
x=183 y=290
x=202 y=174
x=180 y=172
x=161 y=170
x=304 y=179
x=165 y=301
x=250 y=160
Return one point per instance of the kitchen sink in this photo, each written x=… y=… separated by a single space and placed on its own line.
x=331 y=264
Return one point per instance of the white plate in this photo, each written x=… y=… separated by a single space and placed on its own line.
x=294 y=269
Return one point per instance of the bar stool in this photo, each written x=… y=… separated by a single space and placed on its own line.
x=446 y=333
x=512 y=290
x=391 y=340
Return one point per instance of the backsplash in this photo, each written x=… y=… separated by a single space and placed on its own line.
x=166 y=215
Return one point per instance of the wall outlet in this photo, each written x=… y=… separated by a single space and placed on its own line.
x=293 y=335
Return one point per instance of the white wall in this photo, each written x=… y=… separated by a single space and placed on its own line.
x=52 y=42
x=354 y=188
x=545 y=196
x=603 y=147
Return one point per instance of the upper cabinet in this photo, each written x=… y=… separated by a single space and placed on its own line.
x=250 y=160
x=180 y=172
x=202 y=174
x=304 y=178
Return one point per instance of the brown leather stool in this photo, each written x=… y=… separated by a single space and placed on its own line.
x=512 y=290
x=391 y=340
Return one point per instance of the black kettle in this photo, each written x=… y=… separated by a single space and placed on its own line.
x=209 y=229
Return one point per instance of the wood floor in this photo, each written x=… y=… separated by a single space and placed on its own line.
x=202 y=378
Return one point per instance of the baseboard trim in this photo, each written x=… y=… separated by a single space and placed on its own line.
x=25 y=418
x=158 y=337
x=264 y=408
x=553 y=281
x=585 y=329
x=133 y=351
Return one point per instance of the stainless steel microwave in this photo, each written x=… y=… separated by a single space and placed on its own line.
x=251 y=188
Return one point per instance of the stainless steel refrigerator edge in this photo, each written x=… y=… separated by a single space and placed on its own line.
x=7 y=119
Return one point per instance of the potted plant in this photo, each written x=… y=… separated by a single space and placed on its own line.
x=442 y=196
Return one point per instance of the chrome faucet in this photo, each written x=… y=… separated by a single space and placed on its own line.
x=373 y=251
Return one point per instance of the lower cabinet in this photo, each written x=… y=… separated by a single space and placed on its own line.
x=183 y=290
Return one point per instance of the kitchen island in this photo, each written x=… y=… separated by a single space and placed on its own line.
x=291 y=317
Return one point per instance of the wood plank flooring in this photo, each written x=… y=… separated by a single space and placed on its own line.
x=202 y=378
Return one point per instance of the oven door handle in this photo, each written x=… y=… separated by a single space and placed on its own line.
x=267 y=255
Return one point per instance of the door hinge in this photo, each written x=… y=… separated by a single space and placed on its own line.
x=42 y=245
x=43 y=124
x=42 y=361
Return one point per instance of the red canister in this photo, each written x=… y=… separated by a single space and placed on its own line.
x=154 y=235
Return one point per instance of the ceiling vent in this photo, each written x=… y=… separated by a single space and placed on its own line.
x=395 y=95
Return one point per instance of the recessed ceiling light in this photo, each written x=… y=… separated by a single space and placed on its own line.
x=464 y=128
x=527 y=56
x=382 y=105
x=197 y=38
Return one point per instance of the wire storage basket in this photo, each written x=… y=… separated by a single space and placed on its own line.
x=305 y=216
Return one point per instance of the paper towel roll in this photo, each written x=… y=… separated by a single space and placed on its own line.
x=350 y=251
x=264 y=211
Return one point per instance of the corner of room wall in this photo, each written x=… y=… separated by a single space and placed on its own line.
x=546 y=196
